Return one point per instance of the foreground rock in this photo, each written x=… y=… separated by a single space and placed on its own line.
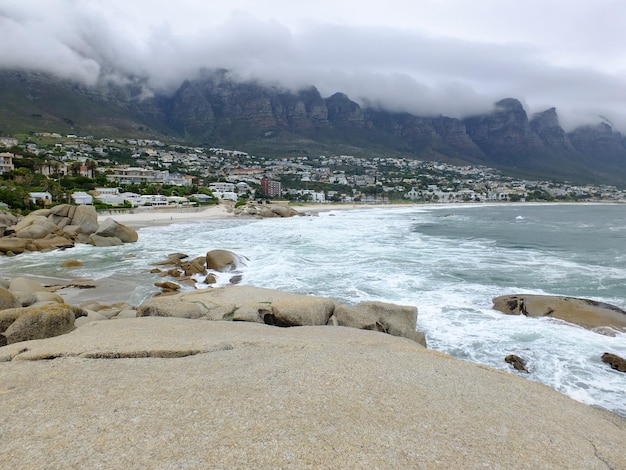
x=272 y=307
x=175 y=393
x=60 y=227
x=597 y=316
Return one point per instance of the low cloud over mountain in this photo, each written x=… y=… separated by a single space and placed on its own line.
x=423 y=59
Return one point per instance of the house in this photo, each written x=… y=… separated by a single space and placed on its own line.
x=111 y=199
x=226 y=195
x=137 y=175
x=8 y=142
x=82 y=198
x=133 y=198
x=6 y=162
x=222 y=186
x=43 y=198
x=202 y=197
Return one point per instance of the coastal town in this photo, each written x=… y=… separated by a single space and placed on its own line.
x=140 y=172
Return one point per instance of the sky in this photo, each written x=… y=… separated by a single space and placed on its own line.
x=427 y=57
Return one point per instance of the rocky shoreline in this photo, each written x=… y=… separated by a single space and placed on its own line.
x=280 y=380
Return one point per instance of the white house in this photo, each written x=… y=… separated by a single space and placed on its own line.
x=226 y=195
x=111 y=199
x=155 y=200
x=222 y=186
x=82 y=198
x=45 y=197
x=134 y=199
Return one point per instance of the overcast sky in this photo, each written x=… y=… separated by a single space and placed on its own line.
x=451 y=57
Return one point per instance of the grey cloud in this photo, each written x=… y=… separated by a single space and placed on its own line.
x=394 y=69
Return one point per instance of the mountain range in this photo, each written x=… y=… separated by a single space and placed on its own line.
x=215 y=111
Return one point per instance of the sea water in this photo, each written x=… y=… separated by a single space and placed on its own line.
x=448 y=261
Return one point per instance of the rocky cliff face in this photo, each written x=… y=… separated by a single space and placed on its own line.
x=217 y=111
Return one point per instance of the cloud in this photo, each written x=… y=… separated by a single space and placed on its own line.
x=439 y=68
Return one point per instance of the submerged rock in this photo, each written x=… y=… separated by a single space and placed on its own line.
x=616 y=362
x=517 y=362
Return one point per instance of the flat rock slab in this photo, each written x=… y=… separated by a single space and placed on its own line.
x=583 y=312
x=179 y=393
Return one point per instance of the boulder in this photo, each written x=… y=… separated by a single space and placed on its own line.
x=596 y=316
x=97 y=240
x=282 y=210
x=222 y=260
x=172 y=306
x=13 y=245
x=38 y=322
x=397 y=320
x=25 y=290
x=517 y=362
x=7 y=299
x=167 y=285
x=616 y=362
x=299 y=310
x=259 y=305
x=8 y=316
x=111 y=228
x=86 y=218
x=7 y=219
x=35 y=227
x=196 y=266
x=63 y=210
x=71 y=263
x=46 y=296
x=52 y=243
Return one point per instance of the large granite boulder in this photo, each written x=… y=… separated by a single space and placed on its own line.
x=60 y=227
x=222 y=260
x=35 y=227
x=7 y=219
x=98 y=240
x=25 y=290
x=51 y=243
x=86 y=219
x=397 y=320
x=39 y=321
x=111 y=228
x=198 y=394
x=299 y=310
x=597 y=316
x=13 y=245
x=277 y=308
x=266 y=210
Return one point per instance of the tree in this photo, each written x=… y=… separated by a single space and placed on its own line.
x=75 y=168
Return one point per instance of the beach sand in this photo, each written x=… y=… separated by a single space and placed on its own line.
x=146 y=217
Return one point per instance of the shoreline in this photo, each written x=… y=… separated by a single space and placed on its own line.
x=149 y=217
x=140 y=218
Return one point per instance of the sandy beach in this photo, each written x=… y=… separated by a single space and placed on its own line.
x=146 y=217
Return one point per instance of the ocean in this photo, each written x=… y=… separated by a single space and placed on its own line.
x=448 y=260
